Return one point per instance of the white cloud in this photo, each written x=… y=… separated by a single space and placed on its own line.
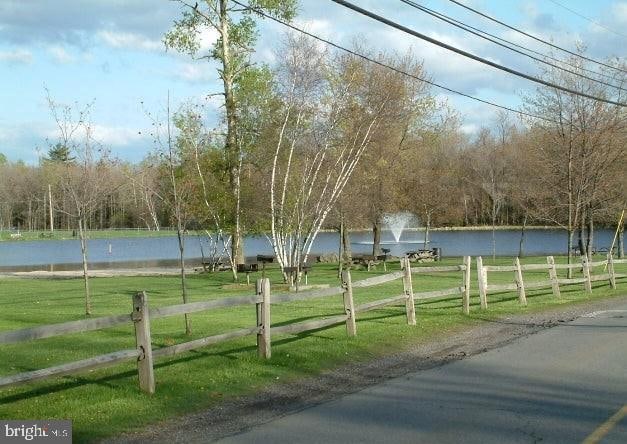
x=191 y=72
x=129 y=40
x=619 y=12
x=470 y=129
x=107 y=135
x=115 y=135
x=319 y=27
x=60 y=54
x=16 y=56
x=208 y=37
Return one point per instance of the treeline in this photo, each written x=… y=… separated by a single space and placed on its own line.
x=506 y=174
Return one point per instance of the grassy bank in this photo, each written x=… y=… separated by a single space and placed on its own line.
x=10 y=235
x=108 y=401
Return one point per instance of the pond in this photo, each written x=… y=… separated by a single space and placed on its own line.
x=163 y=251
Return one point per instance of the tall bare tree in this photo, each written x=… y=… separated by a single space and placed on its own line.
x=83 y=180
x=578 y=148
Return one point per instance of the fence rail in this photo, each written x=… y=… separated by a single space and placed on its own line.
x=141 y=316
x=48 y=331
x=554 y=281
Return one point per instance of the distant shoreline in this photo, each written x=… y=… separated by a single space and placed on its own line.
x=6 y=235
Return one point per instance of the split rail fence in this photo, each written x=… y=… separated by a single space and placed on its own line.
x=142 y=315
x=554 y=280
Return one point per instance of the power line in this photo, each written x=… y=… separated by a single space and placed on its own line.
x=534 y=37
x=588 y=19
x=493 y=38
x=470 y=55
x=392 y=68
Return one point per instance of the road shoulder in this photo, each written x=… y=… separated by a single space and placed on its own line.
x=239 y=414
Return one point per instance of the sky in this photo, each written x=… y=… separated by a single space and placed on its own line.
x=110 y=52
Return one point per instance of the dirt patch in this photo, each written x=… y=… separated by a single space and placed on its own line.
x=236 y=415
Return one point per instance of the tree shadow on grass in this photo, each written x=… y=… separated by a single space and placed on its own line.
x=76 y=381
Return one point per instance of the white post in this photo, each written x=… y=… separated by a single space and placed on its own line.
x=466 y=294
x=410 y=308
x=482 y=278
x=522 y=297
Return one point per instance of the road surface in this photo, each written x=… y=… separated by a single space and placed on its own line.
x=565 y=384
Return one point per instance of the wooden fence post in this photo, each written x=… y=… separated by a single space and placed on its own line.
x=264 y=347
x=586 y=273
x=520 y=283
x=410 y=308
x=466 y=294
x=553 y=276
x=349 y=305
x=610 y=270
x=482 y=280
x=141 y=320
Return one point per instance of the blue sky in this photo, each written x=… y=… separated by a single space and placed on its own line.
x=110 y=51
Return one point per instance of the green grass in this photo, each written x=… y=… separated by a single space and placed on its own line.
x=108 y=401
x=5 y=235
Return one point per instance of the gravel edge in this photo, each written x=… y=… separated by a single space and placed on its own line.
x=236 y=415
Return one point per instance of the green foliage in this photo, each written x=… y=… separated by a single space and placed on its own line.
x=60 y=153
x=3 y=159
x=242 y=33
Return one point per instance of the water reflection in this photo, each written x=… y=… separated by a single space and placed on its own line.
x=161 y=252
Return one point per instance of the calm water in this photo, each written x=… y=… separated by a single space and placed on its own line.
x=163 y=251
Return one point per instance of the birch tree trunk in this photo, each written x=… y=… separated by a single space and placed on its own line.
x=83 y=240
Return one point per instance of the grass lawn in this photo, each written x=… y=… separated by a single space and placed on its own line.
x=108 y=401
x=5 y=235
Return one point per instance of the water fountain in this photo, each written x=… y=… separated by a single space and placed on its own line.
x=397 y=222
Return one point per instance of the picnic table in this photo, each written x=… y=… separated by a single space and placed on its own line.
x=369 y=260
x=291 y=271
x=424 y=255
x=247 y=268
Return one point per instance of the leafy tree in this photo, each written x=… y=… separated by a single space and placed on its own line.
x=3 y=159
x=237 y=33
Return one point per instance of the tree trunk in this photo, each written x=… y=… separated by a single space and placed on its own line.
x=50 y=208
x=83 y=240
x=571 y=235
x=427 y=230
x=493 y=230
x=521 y=244
x=571 y=210
x=230 y=148
x=590 y=239
x=376 y=234
x=621 y=243
x=580 y=239
x=340 y=255
x=346 y=248
x=181 y=240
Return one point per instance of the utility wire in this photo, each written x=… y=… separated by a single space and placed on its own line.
x=392 y=68
x=587 y=18
x=470 y=55
x=492 y=38
x=534 y=37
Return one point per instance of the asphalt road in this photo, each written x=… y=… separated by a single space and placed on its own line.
x=565 y=384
